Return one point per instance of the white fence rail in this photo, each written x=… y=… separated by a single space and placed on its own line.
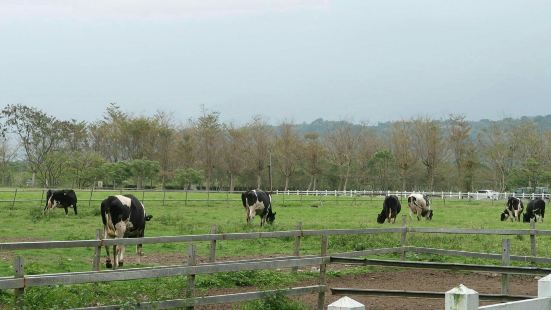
x=434 y=194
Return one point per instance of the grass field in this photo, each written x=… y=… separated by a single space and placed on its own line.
x=23 y=221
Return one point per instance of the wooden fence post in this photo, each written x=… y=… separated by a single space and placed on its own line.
x=97 y=252
x=185 y=201
x=296 y=251
x=42 y=198
x=90 y=199
x=164 y=196
x=19 y=269
x=533 y=252
x=212 y=255
x=191 y=278
x=505 y=261
x=404 y=235
x=323 y=269
x=14 y=198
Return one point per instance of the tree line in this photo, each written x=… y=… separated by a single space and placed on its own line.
x=125 y=150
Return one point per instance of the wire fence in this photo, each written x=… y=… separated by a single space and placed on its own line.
x=37 y=196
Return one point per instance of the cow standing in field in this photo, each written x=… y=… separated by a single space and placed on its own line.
x=67 y=198
x=257 y=202
x=535 y=210
x=391 y=208
x=418 y=205
x=513 y=209
x=123 y=216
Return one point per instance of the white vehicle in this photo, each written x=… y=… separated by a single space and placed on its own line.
x=485 y=194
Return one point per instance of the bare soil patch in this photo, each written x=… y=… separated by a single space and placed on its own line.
x=418 y=280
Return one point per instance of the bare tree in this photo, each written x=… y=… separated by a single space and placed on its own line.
x=429 y=146
x=233 y=151
x=402 y=149
x=208 y=131
x=462 y=149
x=314 y=153
x=494 y=142
x=288 y=148
x=341 y=148
x=163 y=152
x=261 y=143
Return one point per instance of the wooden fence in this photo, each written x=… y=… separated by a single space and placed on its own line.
x=20 y=280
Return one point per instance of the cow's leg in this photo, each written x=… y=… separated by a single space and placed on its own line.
x=108 y=263
x=75 y=207
x=411 y=213
x=251 y=215
x=121 y=254
x=120 y=228
x=66 y=210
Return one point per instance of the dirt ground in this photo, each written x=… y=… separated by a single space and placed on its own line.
x=417 y=280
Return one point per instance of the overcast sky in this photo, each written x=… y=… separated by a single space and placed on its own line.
x=295 y=60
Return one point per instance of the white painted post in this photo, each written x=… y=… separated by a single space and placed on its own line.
x=461 y=298
x=544 y=286
x=346 y=303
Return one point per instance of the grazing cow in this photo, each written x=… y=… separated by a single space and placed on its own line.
x=65 y=198
x=123 y=216
x=257 y=202
x=391 y=208
x=535 y=210
x=513 y=209
x=419 y=206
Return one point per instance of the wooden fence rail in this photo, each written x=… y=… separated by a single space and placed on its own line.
x=20 y=281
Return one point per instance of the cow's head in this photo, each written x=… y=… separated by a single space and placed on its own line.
x=381 y=218
x=271 y=217
x=526 y=217
x=504 y=215
x=427 y=214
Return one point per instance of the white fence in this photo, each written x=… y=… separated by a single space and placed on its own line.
x=441 y=194
x=463 y=298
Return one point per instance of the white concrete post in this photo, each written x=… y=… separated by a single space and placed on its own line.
x=544 y=286
x=461 y=298
x=346 y=303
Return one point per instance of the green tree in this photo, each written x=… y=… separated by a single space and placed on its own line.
x=381 y=166
x=208 y=133
x=40 y=135
x=143 y=169
x=187 y=177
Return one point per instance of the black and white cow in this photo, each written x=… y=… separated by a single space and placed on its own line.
x=257 y=202
x=66 y=198
x=418 y=205
x=123 y=216
x=535 y=210
x=513 y=209
x=391 y=208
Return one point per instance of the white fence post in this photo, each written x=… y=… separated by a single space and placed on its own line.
x=461 y=298
x=544 y=286
x=346 y=303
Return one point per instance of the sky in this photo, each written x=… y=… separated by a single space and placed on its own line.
x=285 y=60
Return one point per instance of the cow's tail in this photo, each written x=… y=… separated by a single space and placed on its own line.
x=148 y=217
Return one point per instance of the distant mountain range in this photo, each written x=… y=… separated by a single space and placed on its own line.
x=322 y=126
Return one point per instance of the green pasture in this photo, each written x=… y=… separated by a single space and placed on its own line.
x=196 y=213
